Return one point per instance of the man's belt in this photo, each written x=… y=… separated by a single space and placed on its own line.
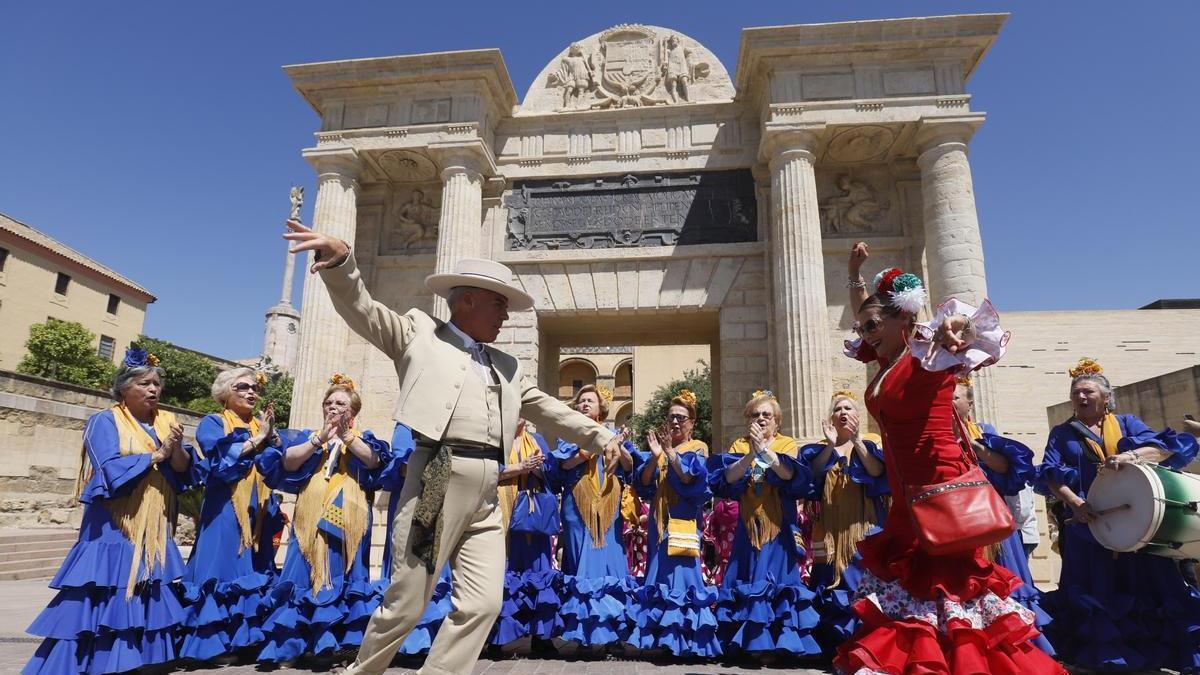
x=465 y=450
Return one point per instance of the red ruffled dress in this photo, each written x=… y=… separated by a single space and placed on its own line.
x=923 y=613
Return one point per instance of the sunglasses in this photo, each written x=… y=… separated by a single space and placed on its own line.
x=677 y=418
x=765 y=414
x=243 y=387
x=869 y=327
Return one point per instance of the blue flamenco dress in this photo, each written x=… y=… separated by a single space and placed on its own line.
x=1117 y=611
x=673 y=609
x=226 y=583
x=764 y=605
x=304 y=621
x=847 y=505
x=1010 y=553
x=391 y=478
x=597 y=589
x=531 y=603
x=91 y=626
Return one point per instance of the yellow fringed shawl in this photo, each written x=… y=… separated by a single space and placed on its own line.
x=143 y=515
x=759 y=507
x=245 y=487
x=316 y=503
x=664 y=495
x=522 y=448
x=1110 y=433
x=845 y=519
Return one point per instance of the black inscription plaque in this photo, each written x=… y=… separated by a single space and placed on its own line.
x=716 y=207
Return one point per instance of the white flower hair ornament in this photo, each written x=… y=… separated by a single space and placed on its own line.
x=905 y=290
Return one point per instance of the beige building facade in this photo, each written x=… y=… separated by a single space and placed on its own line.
x=647 y=197
x=42 y=278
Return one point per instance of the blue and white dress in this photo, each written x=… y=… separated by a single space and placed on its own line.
x=303 y=621
x=226 y=583
x=92 y=625
x=674 y=607
x=597 y=589
x=1117 y=611
x=764 y=605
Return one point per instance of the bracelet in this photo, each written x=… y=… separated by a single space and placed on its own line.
x=968 y=326
x=851 y=283
x=315 y=439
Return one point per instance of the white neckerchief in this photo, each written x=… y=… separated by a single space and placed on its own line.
x=479 y=357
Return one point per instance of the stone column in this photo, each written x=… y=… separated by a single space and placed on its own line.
x=461 y=220
x=803 y=368
x=324 y=334
x=953 y=245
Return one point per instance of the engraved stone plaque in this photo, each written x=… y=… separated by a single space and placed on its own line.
x=716 y=207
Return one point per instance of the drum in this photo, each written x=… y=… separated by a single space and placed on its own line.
x=1146 y=506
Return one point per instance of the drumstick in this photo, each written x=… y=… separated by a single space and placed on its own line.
x=1105 y=512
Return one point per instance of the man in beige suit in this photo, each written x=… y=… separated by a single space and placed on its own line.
x=462 y=399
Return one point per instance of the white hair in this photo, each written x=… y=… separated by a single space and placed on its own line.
x=455 y=295
x=1102 y=382
x=222 y=387
x=125 y=377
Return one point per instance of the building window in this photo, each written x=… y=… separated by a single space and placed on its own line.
x=114 y=301
x=62 y=283
x=576 y=385
x=3 y=258
x=107 y=347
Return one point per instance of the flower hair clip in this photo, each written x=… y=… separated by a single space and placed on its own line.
x=136 y=357
x=260 y=378
x=687 y=397
x=905 y=289
x=964 y=381
x=759 y=393
x=341 y=380
x=1086 y=366
x=605 y=393
x=844 y=393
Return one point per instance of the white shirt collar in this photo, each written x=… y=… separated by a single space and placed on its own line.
x=467 y=340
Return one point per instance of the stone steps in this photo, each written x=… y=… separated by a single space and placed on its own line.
x=32 y=553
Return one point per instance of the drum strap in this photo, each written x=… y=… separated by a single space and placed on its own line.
x=1101 y=448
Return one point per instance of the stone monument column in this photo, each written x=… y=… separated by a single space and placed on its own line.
x=324 y=334
x=459 y=229
x=953 y=245
x=803 y=368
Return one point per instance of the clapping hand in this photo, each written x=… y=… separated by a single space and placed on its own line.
x=344 y=429
x=533 y=462
x=331 y=429
x=327 y=251
x=830 y=433
x=656 y=449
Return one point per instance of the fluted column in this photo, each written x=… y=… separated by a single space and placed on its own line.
x=953 y=245
x=803 y=365
x=461 y=220
x=324 y=334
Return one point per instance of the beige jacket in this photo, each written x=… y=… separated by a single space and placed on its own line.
x=432 y=364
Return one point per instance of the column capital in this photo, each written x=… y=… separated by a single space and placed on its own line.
x=787 y=139
x=937 y=131
x=343 y=162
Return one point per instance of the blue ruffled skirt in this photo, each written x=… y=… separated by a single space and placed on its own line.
x=673 y=610
x=334 y=619
x=1012 y=556
x=532 y=588
x=763 y=606
x=90 y=626
x=1130 y=613
x=597 y=611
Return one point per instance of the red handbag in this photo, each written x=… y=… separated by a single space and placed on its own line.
x=961 y=514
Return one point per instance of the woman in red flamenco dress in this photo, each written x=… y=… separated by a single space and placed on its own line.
x=923 y=613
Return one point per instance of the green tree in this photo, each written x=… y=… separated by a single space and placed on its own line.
x=65 y=351
x=699 y=381
x=189 y=376
x=279 y=392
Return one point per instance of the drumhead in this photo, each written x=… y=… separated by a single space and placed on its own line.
x=1132 y=528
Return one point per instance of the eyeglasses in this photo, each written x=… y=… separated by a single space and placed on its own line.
x=765 y=414
x=869 y=327
x=243 y=387
x=677 y=418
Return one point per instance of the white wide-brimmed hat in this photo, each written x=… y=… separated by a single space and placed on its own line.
x=486 y=274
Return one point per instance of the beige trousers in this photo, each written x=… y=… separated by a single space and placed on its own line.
x=473 y=543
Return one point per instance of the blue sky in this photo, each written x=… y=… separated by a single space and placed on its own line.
x=161 y=138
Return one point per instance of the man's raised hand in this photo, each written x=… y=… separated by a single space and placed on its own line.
x=327 y=251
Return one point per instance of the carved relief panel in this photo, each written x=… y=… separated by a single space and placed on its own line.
x=858 y=201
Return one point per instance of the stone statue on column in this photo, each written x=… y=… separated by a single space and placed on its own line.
x=297 y=198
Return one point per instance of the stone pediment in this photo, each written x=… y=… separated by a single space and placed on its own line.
x=627 y=66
